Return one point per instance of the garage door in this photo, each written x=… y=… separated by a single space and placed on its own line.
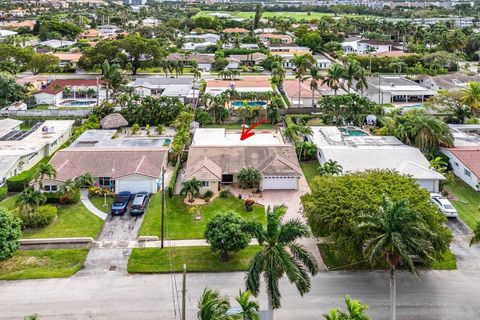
x=427 y=184
x=134 y=186
x=279 y=183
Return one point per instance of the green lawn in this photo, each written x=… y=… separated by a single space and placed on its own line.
x=468 y=204
x=99 y=201
x=9 y=202
x=280 y=14
x=182 y=225
x=238 y=126
x=197 y=259
x=337 y=261
x=73 y=221
x=38 y=264
x=310 y=170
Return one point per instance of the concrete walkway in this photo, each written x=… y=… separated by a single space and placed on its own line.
x=89 y=205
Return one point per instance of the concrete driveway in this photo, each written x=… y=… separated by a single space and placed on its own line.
x=468 y=258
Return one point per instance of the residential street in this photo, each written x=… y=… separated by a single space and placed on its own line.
x=436 y=295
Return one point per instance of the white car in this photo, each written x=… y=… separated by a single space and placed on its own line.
x=444 y=205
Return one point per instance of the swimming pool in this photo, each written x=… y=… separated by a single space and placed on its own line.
x=78 y=103
x=353 y=131
x=239 y=104
x=413 y=107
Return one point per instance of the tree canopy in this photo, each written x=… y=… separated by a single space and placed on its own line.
x=10 y=232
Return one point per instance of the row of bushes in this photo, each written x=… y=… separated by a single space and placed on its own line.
x=3 y=192
x=57 y=198
x=173 y=181
x=43 y=216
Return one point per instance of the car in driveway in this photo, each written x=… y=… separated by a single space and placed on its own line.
x=444 y=205
x=139 y=203
x=120 y=204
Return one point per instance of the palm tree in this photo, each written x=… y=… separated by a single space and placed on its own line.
x=334 y=77
x=355 y=311
x=195 y=70
x=302 y=63
x=30 y=199
x=295 y=130
x=476 y=234
x=471 y=96
x=396 y=233
x=67 y=188
x=190 y=188
x=249 y=308
x=330 y=168
x=315 y=76
x=85 y=180
x=212 y=306
x=111 y=76
x=429 y=132
x=44 y=170
x=280 y=255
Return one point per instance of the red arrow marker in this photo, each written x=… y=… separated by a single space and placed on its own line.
x=247 y=133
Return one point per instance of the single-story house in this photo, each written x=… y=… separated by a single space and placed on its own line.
x=268 y=38
x=361 y=153
x=450 y=82
x=365 y=46
x=182 y=88
x=60 y=90
x=291 y=90
x=235 y=61
x=90 y=35
x=20 y=150
x=465 y=155
x=288 y=52
x=121 y=164
x=68 y=58
x=216 y=156
x=204 y=61
x=258 y=84
x=235 y=30
x=56 y=44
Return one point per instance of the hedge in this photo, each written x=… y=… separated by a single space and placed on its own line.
x=19 y=182
x=56 y=198
x=3 y=192
x=42 y=217
x=171 y=186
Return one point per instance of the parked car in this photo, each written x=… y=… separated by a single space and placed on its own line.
x=139 y=203
x=444 y=205
x=120 y=203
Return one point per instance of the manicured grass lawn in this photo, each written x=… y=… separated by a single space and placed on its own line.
x=468 y=204
x=197 y=259
x=37 y=264
x=9 y=202
x=182 y=225
x=310 y=170
x=238 y=126
x=73 y=221
x=99 y=201
x=335 y=261
x=280 y=14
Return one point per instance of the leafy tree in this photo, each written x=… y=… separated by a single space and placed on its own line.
x=226 y=234
x=67 y=188
x=85 y=180
x=450 y=102
x=249 y=308
x=10 y=91
x=476 y=234
x=29 y=200
x=41 y=62
x=44 y=170
x=281 y=255
x=330 y=168
x=190 y=188
x=139 y=52
x=112 y=77
x=396 y=233
x=335 y=203
x=249 y=177
x=258 y=16
x=213 y=306
x=355 y=311
x=150 y=110
x=10 y=232
x=471 y=96
x=63 y=28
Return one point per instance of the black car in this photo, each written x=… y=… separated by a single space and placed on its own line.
x=120 y=203
x=139 y=203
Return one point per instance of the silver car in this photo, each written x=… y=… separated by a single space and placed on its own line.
x=444 y=205
x=139 y=203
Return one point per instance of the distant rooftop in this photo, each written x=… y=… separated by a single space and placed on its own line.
x=222 y=137
x=104 y=139
x=466 y=135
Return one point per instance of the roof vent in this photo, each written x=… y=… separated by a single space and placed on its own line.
x=392 y=84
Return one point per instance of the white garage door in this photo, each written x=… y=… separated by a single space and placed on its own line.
x=427 y=184
x=279 y=183
x=134 y=186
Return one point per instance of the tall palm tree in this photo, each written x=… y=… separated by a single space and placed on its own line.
x=302 y=63
x=471 y=96
x=190 y=188
x=44 y=170
x=396 y=233
x=334 y=77
x=213 y=306
x=112 y=76
x=281 y=254
x=249 y=308
x=195 y=70
x=315 y=77
x=30 y=199
x=429 y=132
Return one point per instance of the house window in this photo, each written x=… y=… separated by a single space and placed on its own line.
x=104 y=181
x=33 y=155
x=54 y=143
x=50 y=188
x=205 y=184
x=467 y=173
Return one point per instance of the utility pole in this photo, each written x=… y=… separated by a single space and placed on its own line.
x=163 y=204
x=184 y=291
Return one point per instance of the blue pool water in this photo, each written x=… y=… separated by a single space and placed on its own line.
x=353 y=132
x=414 y=107
x=78 y=103
x=239 y=104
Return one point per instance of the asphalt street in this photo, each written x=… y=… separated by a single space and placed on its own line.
x=435 y=295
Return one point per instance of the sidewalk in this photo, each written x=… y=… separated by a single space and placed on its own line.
x=89 y=205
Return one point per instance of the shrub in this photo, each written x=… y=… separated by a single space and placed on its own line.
x=208 y=194
x=42 y=217
x=249 y=204
x=249 y=177
x=19 y=182
x=52 y=197
x=135 y=128
x=224 y=193
x=10 y=232
x=3 y=192
x=160 y=129
x=97 y=191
